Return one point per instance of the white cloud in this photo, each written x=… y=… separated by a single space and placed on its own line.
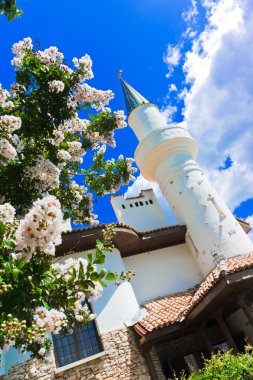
x=172 y=58
x=173 y=88
x=168 y=113
x=191 y=13
x=218 y=106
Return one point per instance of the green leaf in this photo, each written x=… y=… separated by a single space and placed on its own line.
x=8 y=244
x=99 y=244
x=95 y=276
x=111 y=277
x=15 y=273
x=2 y=228
x=45 y=304
x=90 y=258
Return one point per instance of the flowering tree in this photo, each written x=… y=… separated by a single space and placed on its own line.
x=42 y=144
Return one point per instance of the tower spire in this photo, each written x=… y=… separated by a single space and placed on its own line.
x=132 y=97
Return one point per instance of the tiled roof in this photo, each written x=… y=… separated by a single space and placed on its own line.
x=169 y=310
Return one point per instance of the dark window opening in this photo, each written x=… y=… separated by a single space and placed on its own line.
x=146 y=202
x=123 y=206
x=141 y=203
x=136 y=204
x=84 y=342
x=150 y=201
x=131 y=205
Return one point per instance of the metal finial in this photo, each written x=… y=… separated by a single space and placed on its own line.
x=120 y=74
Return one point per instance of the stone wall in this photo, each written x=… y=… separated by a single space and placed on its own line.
x=122 y=360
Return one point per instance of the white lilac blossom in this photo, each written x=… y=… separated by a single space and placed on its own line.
x=4 y=94
x=120 y=119
x=41 y=227
x=65 y=269
x=19 y=49
x=7 y=150
x=56 y=86
x=9 y=105
x=76 y=151
x=63 y=155
x=58 y=138
x=78 y=125
x=16 y=142
x=97 y=291
x=85 y=64
x=50 y=55
x=42 y=351
x=97 y=98
x=45 y=172
x=7 y=213
x=10 y=123
x=51 y=320
x=81 y=309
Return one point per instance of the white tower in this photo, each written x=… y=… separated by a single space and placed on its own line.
x=166 y=154
x=142 y=212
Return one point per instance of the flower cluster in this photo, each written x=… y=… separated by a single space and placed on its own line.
x=51 y=320
x=84 y=64
x=50 y=55
x=10 y=123
x=56 y=86
x=81 y=310
x=40 y=228
x=7 y=213
x=120 y=119
x=4 y=95
x=76 y=151
x=45 y=172
x=19 y=49
x=7 y=151
x=66 y=268
x=97 y=98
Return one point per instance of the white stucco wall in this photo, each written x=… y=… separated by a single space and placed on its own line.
x=118 y=305
x=162 y=272
x=142 y=213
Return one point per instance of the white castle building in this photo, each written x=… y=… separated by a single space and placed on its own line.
x=192 y=293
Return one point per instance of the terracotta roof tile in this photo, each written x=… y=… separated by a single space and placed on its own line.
x=168 y=310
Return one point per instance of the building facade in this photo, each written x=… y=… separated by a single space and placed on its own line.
x=192 y=292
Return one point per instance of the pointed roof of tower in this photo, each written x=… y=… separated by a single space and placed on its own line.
x=132 y=97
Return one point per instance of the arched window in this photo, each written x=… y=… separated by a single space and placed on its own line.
x=123 y=206
x=150 y=201
x=146 y=202
x=141 y=204
x=131 y=205
x=84 y=342
x=136 y=204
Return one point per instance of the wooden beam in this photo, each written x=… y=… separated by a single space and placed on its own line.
x=205 y=338
x=226 y=333
x=240 y=301
x=149 y=362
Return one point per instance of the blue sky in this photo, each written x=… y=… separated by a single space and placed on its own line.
x=153 y=42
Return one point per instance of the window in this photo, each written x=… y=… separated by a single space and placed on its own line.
x=123 y=206
x=131 y=205
x=150 y=201
x=81 y=344
x=141 y=203
x=136 y=204
x=146 y=202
